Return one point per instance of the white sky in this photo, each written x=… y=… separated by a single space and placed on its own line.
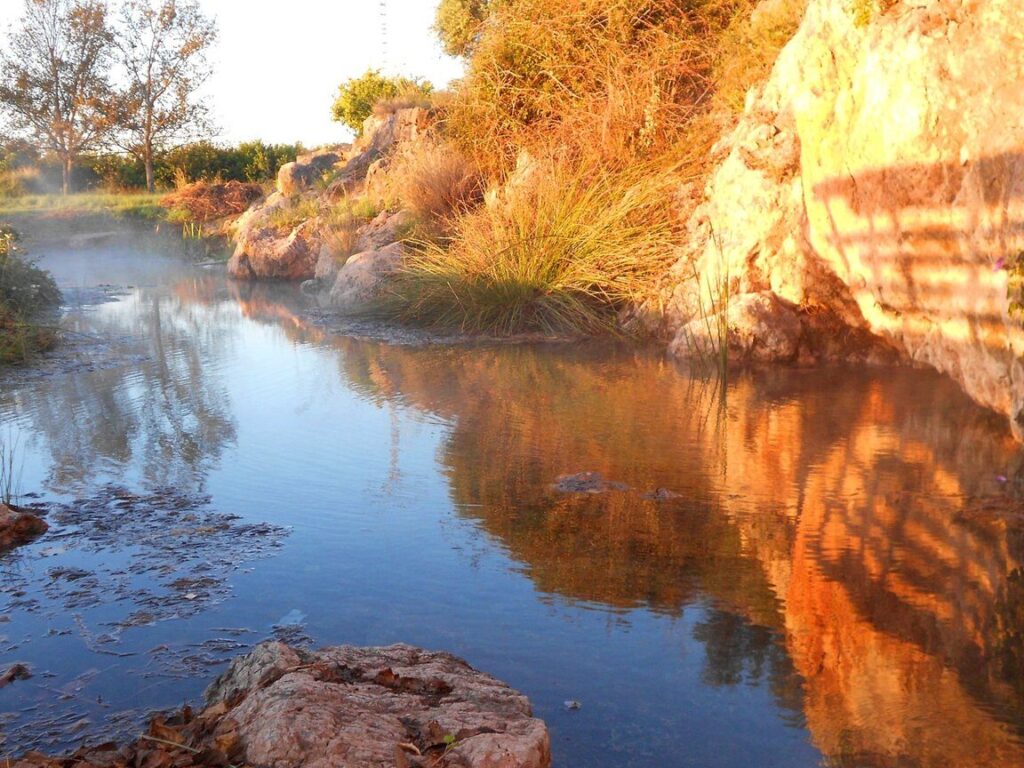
x=277 y=65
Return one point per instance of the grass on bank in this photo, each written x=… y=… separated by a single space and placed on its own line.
x=617 y=104
x=559 y=256
x=123 y=205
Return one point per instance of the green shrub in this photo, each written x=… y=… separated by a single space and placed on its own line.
x=358 y=97
x=458 y=23
x=562 y=254
x=24 y=288
x=25 y=292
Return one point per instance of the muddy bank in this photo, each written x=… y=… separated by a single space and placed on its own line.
x=337 y=708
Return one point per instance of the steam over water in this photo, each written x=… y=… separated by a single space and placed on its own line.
x=821 y=579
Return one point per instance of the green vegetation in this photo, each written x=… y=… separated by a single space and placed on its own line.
x=561 y=255
x=458 y=23
x=298 y=210
x=137 y=205
x=359 y=97
x=25 y=171
x=25 y=293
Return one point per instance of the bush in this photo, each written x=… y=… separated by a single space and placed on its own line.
x=25 y=292
x=24 y=288
x=358 y=97
x=614 y=80
x=203 y=201
x=458 y=24
x=560 y=255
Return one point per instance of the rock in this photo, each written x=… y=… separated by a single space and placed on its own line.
x=587 y=482
x=381 y=134
x=342 y=707
x=298 y=177
x=264 y=253
x=361 y=280
x=18 y=527
x=878 y=177
x=760 y=328
x=357 y=707
x=386 y=228
x=15 y=672
x=266 y=663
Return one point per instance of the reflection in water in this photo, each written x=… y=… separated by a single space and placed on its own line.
x=822 y=506
x=167 y=407
x=815 y=544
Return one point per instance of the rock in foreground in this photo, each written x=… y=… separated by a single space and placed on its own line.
x=18 y=527
x=342 y=707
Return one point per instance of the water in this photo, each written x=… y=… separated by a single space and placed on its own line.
x=220 y=469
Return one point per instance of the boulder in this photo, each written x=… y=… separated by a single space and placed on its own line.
x=342 y=707
x=18 y=527
x=384 y=229
x=361 y=280
x=298 y=177
x=759 y=327
x=878 y=175
x=356 y=707
x=263 y=253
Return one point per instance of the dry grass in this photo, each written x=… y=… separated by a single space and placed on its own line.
x=206 y=201
x=749 y=47
x=614 y=79
x=407 y=100
x=561 y=255
x=437 y=182
x=342 y=225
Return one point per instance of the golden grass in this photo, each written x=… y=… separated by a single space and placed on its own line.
x=559 y=255
x=437 y=182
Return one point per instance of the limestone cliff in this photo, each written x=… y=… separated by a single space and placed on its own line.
x=874 y=189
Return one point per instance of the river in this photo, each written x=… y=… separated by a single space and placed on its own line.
x=798 y=575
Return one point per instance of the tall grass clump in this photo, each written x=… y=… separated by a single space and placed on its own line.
x=560 y=255
x=8 y=475
x=437 y=182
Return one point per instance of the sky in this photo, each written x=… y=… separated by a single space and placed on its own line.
x=277 y=66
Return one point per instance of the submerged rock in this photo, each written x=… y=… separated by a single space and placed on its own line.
x=342 y=707
x=587 y=482
x=18 y=527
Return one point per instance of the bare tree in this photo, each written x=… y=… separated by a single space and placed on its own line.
x=53 y=78
x=163 y=50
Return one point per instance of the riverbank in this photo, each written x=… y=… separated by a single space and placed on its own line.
x=122 y=205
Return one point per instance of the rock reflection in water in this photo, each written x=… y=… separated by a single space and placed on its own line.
x=820 y=516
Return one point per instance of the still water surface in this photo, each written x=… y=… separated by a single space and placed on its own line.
x=221 y=470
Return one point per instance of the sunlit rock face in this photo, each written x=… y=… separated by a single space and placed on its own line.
x=878 y=178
